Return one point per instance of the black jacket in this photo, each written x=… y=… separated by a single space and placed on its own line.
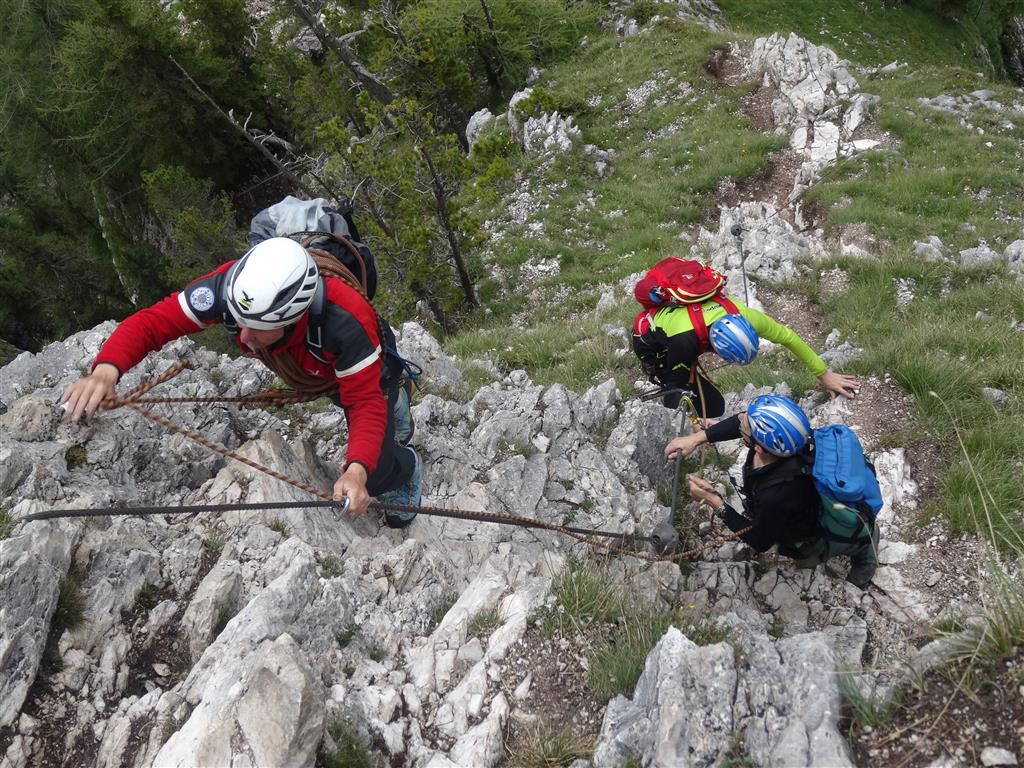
x=780 y=503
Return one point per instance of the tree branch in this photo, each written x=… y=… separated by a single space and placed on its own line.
x=341 y=46
x=283 y=169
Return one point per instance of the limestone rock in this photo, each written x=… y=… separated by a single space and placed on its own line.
x=230 y=725
x=418 y=346
x=997 y=396
x=32 y=568
x=975 y=257
x=690 y=698
x=214 y=603
x=479 y=121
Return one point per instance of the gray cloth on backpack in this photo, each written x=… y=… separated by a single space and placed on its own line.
x=295 y=215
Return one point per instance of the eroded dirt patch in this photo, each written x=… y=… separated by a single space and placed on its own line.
x=757 y=105
x=727 y=62
x=772 y=185
x=792 y=309
x=954 y=718
x=558 y=697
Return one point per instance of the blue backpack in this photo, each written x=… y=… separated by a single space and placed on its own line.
x=846 y=483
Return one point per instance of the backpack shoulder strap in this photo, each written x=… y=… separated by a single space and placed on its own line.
x=700 y=326
x=726 y=303
x=329 y=265
x=315 y=326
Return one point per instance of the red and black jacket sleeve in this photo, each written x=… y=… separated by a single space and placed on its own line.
x=199 y=305
x=352 y=338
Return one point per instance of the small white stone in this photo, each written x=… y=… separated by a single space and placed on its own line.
x=27 y=724
x=991 y=756
x=523 y=689
x=862 y=145
x=997 y=396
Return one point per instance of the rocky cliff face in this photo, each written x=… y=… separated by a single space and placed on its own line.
x=207 y=638
x=233 y=638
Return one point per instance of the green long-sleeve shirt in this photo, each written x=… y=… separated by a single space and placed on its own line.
x=673 y=326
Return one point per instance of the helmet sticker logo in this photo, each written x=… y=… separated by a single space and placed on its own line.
x=245 y=301
x=201 y=298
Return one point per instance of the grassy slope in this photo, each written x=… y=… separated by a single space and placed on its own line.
x=869 y=33
x=943 y=179
x=656 y=188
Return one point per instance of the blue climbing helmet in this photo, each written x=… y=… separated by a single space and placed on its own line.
x=778 y=424
x=734 y=339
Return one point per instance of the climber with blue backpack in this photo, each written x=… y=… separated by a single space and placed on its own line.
x=686 y=313
x=302 y=307
x=810 y=492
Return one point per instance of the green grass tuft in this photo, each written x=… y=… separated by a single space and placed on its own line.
x=346 y=635
x=484 y=623
x=278 y=525
x=215 y=542
x=69 y=614
x=349 y=751
x=6 y=523
x=173 y=721
x=330 y=566
x=617 y=664
x=551 y=749
x=148 y=598
x=440 y=610
x=584 y=596
x=868 y=708
x=70 y=611
x=701 y=631
x=75 y=456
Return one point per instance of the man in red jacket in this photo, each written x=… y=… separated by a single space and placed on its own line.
x=282 y=310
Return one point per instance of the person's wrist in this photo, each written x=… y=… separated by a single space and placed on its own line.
x=357 y=468
x=107 y=371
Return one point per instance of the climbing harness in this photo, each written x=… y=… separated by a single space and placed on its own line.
x=136 y=398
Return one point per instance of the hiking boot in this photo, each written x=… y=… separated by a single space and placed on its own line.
x=860 y=575
x=409 y=493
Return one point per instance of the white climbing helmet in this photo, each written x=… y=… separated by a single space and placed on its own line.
x=272 y=285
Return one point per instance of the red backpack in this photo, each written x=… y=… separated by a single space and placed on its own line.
x=676 y=282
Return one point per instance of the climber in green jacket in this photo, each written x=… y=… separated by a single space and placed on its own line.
x=668 y=346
